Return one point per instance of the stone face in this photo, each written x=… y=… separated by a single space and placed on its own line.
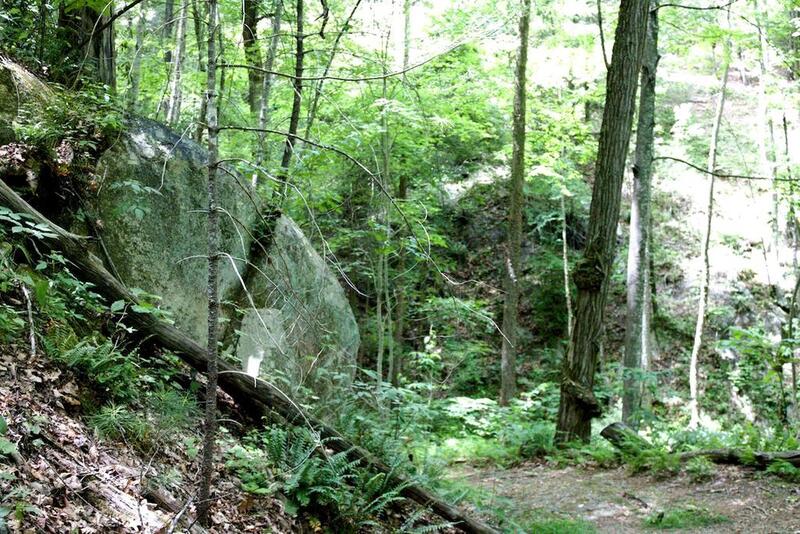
x=151 y=206
x=8 y=104
x=309 y=323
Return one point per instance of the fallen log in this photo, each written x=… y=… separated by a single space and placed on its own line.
x=630 y=442
x=256 y=397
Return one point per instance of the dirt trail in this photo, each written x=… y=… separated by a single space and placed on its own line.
x=616 y=502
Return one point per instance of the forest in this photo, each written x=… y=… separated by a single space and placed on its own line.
x=350 y=266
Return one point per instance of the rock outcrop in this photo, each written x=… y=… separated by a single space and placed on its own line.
x=150 y=206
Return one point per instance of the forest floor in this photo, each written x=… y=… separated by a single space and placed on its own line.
x=615 y=501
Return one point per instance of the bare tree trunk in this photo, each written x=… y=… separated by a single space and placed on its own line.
x=766 y=145
x=294 y=118
x=212 y=350
x=705 y=279
x=578 y=404
x=136 y=64
x=252 y=54
x=402 y=195
x=635 y=328
x=175 y=93
x=513 y=267
x=266 y=89
x=795 y=230
x=565 y=261
x=100 y=49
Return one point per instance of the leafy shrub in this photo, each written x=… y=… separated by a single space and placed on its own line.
x=295 y=463
x=700 y=469
x=784 y=470
x=114 y=373
x=119 y=422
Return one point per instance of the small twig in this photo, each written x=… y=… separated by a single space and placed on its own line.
x=722 y=175
x=30 y=320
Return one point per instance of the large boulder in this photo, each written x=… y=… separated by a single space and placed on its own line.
x=150 y=209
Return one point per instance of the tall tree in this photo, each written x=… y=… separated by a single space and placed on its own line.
x=266 y=86
x=636 y=326
x=705 y=277
x=175 y=92
x=252 y=54
x=93 y=30
x=136 y=64
x=297 y=99
x=395 y=366
x=578 y=404
x=512 y=266
x=212 y=349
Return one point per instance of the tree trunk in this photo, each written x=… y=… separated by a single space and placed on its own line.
x=402 y=195
x=136 y=64
x=169 y=20
x=766 y=145
x=513 y=267
x=269 y=61
x=100 y=50
x=212 y=349
x=294 y=119
x=635 y=328
x=565 y=263
x=252 y=54
x=578 y=404
x=705 y=278
x=175 y=93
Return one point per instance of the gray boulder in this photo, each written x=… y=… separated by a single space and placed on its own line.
x=150 y=207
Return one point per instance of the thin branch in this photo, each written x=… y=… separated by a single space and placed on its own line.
x=602 y=34
x=341 y=78
x=697 y=8
x=722 y=175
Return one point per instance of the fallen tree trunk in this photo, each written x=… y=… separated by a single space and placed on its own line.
x=630 y=442
x=256 y=397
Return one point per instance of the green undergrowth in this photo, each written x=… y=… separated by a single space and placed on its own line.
x=683 y=518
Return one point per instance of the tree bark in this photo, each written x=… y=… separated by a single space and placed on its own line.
x=252 y=54
x=212 y=349
x=565 y=264
x=705 y=279
x=175 y=93
x=578 y=404
x=636 y=330
x=297 y=100
x=401 y=195
x=99 y=49
x=136 y=65
x=766 y=145
x=257 y=398
x=269 y=61
x=512 y=264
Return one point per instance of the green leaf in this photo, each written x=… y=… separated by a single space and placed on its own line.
x=117 y=306
x=6 y=447
x=3 y=426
